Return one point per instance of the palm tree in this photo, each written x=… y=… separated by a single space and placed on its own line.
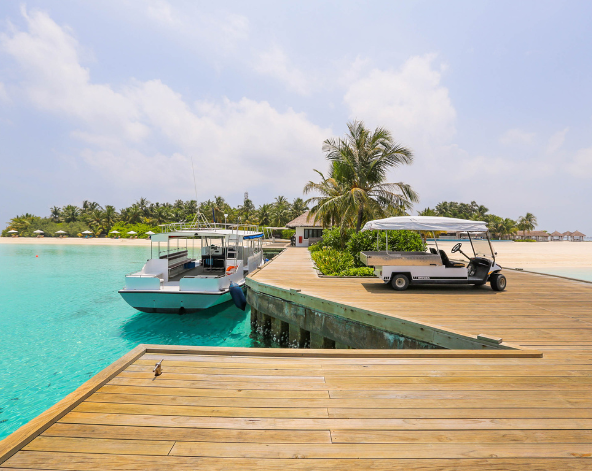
x=298 y=207
x=70 y=213
x=55 y=213
x=247 y=209
x=427 y=212
x=144 y=206
x=95 y=220
x=360 y=163
x=264 y=214
x=527 y=222
x=110 y=217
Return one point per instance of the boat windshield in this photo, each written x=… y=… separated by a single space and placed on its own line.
x=481 y=245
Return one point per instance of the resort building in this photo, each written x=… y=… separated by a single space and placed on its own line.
x=556 y=236
x=308 y=231
x=577 y=236
x=567 y=236
x=539 y=236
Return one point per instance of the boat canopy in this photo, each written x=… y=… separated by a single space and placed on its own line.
x=205 y=233
x=425 y=223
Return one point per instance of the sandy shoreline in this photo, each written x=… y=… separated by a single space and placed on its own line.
x=72 y=241
x=510 y=254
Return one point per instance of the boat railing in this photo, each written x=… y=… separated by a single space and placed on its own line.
x=188 y=226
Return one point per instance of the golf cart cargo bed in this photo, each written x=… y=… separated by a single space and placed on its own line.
x=380 y=259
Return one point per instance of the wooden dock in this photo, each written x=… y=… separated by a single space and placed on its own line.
x=216 y=408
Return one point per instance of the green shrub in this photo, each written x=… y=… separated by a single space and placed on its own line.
x=361 y=242
x=358 y=271
x=288 y=233
x=331 y=261
x=335 y=238
x=315 y=247
x=140 y=228
x=525 y=240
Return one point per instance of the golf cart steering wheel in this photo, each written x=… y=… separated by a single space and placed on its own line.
x=456 y=248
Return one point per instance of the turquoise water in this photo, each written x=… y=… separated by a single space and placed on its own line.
x=62 y=321
x=580 y=273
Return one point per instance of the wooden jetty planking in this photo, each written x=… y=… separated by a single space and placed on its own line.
x=285 y=409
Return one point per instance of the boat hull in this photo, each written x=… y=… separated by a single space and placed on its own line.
x=172 y=302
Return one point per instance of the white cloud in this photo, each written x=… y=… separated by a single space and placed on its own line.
x=581 y=165
x=235 y=144
x=517 y=136
x=410 y=102
x=556 y=141
x=275 y=63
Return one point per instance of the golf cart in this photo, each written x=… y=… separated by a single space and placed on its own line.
x=402 y=269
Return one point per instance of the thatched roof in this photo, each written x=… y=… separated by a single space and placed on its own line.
x=304 y=221
x=578 y=234
x=532 y=233
x=557 y=234
x=566 y=233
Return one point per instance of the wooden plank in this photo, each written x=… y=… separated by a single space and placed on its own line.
x=188 y=434
x=497 y=400
x=462 y=436
x=85 y=461
x=29 y=431
x=197 y=411
x=100 y=445
x=149 y=388
x=383 y=451
x=323 y=424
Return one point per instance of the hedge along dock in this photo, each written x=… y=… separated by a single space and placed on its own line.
x=524 y=406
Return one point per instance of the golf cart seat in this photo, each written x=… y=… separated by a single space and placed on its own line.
x=447 y=263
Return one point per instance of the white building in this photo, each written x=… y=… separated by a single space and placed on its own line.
x=308 y=232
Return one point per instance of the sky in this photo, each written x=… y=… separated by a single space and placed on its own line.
x=114 y=100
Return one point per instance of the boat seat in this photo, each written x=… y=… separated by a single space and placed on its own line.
x=448 y=263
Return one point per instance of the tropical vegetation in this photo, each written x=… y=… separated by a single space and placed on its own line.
x=499 y=227
x=338 y=252
x=144 y=216
x=355 y=189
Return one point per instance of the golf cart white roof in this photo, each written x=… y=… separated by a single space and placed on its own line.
x=425 y=223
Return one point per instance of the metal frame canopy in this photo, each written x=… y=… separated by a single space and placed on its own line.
x=425 y=223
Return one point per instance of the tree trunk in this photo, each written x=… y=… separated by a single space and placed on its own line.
x=360 y=216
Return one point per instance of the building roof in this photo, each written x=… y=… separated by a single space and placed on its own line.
x=566 y=233
x=533 y=233
x=304 y=220
x=578 y=234
x=557 y=233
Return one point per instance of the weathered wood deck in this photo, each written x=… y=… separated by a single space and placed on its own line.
x=277 y=409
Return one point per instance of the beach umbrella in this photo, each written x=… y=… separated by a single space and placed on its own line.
x=60 y=232
x=150 y=233
x=114 y=232
x=12 y=231
x=86 y=232
x=38 y=231
x=132 y=232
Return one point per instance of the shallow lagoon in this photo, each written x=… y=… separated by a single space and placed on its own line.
x=62 y=321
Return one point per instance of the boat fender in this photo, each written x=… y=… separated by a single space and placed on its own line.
x=238 y=296
x=231 y=269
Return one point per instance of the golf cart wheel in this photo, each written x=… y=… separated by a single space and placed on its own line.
x=400 y=282
x=498 y=282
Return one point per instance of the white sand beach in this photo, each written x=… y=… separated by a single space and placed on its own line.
x=510 y=254
x=72 y=241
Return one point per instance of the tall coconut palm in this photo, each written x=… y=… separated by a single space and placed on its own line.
x=298 y=207
x=264 y=214
x=527 y=222
x=70 y=213
x=55 y=214
x=360 y=165
x=110 y=217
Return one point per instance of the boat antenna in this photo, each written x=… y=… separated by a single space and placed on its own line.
x=194 y=182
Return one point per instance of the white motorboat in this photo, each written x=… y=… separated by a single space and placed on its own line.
x=192 y=266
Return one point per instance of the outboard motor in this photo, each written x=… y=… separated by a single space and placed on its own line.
x=238 y=296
